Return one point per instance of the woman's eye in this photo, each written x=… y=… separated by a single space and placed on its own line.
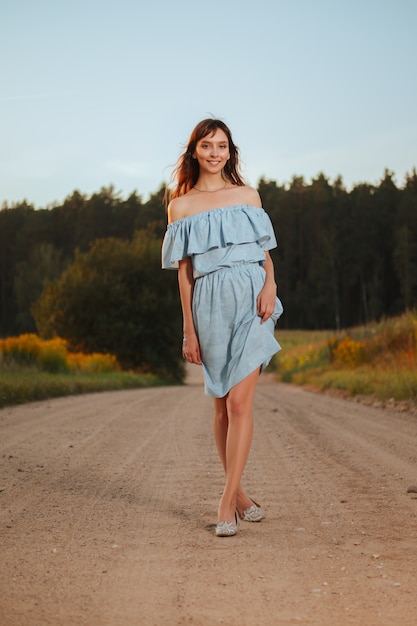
x=206 y=146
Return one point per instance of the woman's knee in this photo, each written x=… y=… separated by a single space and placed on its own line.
x=240 y=399
x=220 y=413
x=238 y=407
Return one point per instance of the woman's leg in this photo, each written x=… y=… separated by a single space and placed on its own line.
x=220 y=428
x=233 y=431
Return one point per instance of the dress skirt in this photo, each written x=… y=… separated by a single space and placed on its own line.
x=233 y=341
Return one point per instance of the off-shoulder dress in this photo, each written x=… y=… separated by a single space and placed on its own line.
x=226 y=246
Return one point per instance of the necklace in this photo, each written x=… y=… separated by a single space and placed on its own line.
x=211 y=190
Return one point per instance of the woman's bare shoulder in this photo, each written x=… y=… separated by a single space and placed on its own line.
x=177 y=209
x=249 y=195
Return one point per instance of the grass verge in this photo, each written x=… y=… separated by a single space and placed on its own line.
x=378 y=360
x=30 y=384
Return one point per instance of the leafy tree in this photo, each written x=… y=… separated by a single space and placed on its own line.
x=115 y=298
x=361 y=261
x=44 y=263
x=151 y=215
x=12 y=221
x=405 y=251
x=386 y=209
x=405 y=261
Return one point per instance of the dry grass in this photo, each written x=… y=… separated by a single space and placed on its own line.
x=378 y=360
x=34 y=369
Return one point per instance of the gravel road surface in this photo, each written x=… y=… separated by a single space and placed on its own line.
x=108 y=505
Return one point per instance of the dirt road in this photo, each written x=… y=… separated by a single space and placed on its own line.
x=108 y=503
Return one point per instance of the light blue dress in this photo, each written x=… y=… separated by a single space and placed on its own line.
x=226 y=246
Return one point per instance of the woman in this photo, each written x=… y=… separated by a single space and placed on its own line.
x=218 y=237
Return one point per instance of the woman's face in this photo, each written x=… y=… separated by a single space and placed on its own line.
x=212 y=152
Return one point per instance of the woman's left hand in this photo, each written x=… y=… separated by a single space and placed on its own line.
x=266 y=301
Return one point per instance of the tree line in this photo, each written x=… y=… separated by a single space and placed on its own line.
x=344 y=258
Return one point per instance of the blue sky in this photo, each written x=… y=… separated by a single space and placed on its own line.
x=97 y=93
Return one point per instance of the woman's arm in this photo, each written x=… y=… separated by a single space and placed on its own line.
x=267 y=296
x=191 y=347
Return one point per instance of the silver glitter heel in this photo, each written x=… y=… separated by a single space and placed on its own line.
x=253 y=513
x=227 y=529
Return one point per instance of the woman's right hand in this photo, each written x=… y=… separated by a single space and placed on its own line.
x=191 y=349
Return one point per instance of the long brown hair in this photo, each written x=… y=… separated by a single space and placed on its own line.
x=186 y=172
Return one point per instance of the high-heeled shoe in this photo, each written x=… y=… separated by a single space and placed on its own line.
x=227 y=529
x=253 y=513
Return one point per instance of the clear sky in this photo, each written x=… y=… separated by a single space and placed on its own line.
x=105 y=92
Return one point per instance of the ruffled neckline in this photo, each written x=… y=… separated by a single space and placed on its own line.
x=228 y=207
x=217 y=228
